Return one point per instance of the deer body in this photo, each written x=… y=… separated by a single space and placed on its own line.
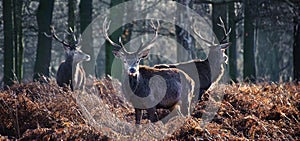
x=175 y=91
x=202 y=78
x=149 y=88
x=71 y=72
x=210 y=70
x=140 y=83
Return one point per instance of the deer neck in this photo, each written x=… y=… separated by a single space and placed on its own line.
x=75 y=69
x=215 y=62
x=135 y=83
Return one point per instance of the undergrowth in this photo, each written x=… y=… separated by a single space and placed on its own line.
x=262 y=111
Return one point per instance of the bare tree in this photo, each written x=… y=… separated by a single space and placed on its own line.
x=85 y=14
x=296 y=47
x=8 y=43
x=185 y=40
x=43 y=55
x=18 y=38
x=249 y=72
x=232 y=38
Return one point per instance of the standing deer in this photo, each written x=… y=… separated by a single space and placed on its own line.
x=150 y=88
x=210 y=70
x=71 y=72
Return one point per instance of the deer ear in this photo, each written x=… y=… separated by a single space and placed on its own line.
x=144 y=54
x=118 y=54
x=225 y=45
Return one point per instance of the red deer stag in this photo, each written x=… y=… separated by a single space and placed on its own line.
x=149 y=88
x=71 y=72
x=209 y=70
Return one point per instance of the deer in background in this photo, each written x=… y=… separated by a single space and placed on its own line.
x=210 y=70
x=150 y=88
x=71 y=72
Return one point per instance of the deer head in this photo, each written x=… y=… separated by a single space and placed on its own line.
x=130 y=60
x=72 y=47
x=217 y=48
x=216 y=55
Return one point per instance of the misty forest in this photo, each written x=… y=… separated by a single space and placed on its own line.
x=67 y=68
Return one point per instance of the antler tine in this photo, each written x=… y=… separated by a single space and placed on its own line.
x=76 y=40
x=156 y=28
x=147 y=44
x=105 y=27
x=79 y=39
x=120 y=41
x=224 y=29
x=72 y=34
x=211 y=43
x=53 y=34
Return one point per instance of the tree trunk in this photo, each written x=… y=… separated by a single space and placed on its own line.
x=184 y=39
x=85 y=13
x=43 y=54
x=18 y=39
x=71 y=20
x=232 y=38
x=71 y=14
x=249 y=54
x=296 y=51
x=116 y=18
x=8 y=43
x=127 y=32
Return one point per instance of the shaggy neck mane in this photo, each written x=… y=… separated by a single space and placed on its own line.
x=216 y=60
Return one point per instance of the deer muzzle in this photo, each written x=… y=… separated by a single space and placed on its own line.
x=132 y=71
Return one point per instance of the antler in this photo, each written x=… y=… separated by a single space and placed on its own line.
x=211 y=43
x=105 y=27
x=71 y=33
x=224 y=29
x=120 y=46
x=156 y=29
x=76 y=40
x=53 y=34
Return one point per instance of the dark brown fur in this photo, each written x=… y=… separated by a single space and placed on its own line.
x=71 y=72
x=177 y=84
x=203 y=77
x=64 y=74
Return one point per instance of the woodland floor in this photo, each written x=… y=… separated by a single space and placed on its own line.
x=261 y=111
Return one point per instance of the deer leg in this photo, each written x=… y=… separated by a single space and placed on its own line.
x=152 y=115
x=138 y=115
x=201 y=92
x=72 y=84
x=174 y=111
x=177 y=108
